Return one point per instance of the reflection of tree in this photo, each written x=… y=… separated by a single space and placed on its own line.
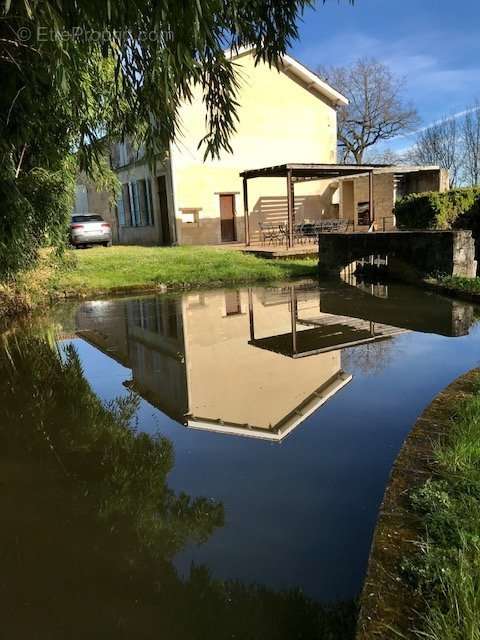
x=89 y=525
x=370 y=358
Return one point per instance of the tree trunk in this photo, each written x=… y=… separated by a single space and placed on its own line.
x=358 y=155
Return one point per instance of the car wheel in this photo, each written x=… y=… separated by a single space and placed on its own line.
x=107 y=244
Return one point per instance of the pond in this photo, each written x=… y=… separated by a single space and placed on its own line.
x=211 y=464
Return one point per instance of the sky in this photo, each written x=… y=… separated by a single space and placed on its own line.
x=433 y=44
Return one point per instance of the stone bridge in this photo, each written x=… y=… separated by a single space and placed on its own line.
x=411 y=254
x=433 y=313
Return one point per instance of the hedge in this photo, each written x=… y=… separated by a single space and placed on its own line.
x=36 y=209
x=457 y=208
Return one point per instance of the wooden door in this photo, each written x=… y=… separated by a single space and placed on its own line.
x=163 y=203
x=233 y=303
x=227 y=217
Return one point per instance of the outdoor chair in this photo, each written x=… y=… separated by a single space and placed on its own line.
x=332 y=226
x=283 y=231
x=299 y=232
x=309 y=231
x=270 y=233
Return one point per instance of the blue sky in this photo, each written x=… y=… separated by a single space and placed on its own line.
x=434 y=44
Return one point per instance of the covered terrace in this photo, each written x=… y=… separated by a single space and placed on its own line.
x=300 y=172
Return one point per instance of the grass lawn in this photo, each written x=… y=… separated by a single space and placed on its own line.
x=465 y=285
x=120 y=268
x=447 y=568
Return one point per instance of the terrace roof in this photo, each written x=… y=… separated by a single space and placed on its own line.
x=300 y=171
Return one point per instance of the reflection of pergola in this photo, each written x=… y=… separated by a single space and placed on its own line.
x=305 y=173
x=323 y=335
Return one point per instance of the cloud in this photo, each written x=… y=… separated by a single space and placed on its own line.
x=440 y=68
x=411 y=57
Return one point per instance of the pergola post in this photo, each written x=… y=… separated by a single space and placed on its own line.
x=250 y=315
x=293 y=318
x=245 y=212
x=371 y=204
x=290 y=207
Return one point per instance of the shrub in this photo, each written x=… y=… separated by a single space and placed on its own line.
x=457 y=208
x=36 y=208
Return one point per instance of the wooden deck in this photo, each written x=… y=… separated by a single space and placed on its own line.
x=300 y=250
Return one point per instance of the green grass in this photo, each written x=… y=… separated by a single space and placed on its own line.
x=446 y=570
x=455 y=283
x=122 y=268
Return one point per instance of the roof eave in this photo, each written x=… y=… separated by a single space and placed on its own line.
x=311 y=80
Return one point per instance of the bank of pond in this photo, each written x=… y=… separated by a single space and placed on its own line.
x=212 y=463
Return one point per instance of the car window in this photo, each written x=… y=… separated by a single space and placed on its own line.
x=87 y=218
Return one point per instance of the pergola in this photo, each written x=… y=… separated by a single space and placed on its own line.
x=324 y=334
x=299 y=172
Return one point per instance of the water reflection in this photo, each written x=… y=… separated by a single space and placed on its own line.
x=110 y=532
x=90 y=526
x=217 y=361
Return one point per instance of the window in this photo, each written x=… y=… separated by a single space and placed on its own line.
x=123 y=153
x=150 y=203
x=143 y=202
x=133 y=188
x=92 y=217
x=81 y=199
x=127 y=204
x=190 y=215
x=124 y=206
x=121 y=210
x=135 y=206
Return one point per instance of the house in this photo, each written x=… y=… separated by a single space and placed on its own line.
x=389 y=184
x=285 y=115
x=355 y=197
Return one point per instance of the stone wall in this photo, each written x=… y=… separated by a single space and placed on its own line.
x=383 y=190
x=208 y=231
x=427 y=180
x=422 y=252
x=388 y=600
x=146 y=235
x=434 y=313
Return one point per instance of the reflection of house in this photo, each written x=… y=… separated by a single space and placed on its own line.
x=146 y=336
x=257 y=362
x=254 y=362
x=235 y=388
x=191 y=358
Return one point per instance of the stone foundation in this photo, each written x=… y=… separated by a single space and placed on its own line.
x=422 y=252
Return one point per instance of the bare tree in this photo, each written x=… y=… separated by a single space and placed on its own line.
x=376 y=110
x=385 y=156
x=440 y=144
x=471 y=144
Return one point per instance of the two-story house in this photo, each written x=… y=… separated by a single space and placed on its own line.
x=284 y=115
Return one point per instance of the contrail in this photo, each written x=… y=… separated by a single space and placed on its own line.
x=454 y=116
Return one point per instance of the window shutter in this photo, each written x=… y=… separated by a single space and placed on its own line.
x=121 y=210
x=134 y=200
x=142 y=202
x=149 y=202
x=81 y=199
